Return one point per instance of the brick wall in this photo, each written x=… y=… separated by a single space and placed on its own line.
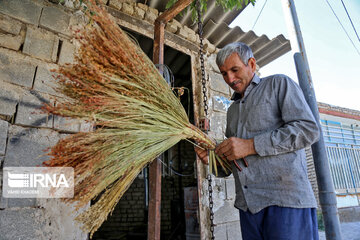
x=129 y=217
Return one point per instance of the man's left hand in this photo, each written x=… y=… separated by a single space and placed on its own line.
x=235 y=148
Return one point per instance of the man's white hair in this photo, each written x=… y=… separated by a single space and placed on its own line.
x=243 y=50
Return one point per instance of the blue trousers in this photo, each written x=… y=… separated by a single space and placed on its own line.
x=280 y=223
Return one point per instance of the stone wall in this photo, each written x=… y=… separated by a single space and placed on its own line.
x=226 y=216
x=146 y=14
x=34 y=38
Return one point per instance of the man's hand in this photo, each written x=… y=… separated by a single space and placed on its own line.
x=235 y=148
x=203 y=154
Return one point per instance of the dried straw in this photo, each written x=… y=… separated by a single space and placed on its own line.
x=114 y=84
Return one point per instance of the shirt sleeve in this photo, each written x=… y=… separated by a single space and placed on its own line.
x=300 y=128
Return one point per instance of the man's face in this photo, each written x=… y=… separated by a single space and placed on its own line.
x=236 y=74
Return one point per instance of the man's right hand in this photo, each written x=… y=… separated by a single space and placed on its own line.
x=202 y=154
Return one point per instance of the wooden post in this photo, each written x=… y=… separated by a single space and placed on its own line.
x=154 y=218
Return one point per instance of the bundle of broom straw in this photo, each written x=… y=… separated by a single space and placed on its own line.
x=116 y=86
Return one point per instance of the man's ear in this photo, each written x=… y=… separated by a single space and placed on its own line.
x=252 y=64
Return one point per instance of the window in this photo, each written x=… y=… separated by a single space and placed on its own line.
x=342 y=144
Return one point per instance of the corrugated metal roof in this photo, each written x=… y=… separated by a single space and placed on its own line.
x=216 y=29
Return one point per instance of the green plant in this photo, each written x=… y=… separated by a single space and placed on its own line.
x=320 y=219
x=227 y=5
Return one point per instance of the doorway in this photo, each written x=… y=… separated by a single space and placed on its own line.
x=178 y=202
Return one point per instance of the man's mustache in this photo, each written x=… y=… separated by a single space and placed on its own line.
x=234 y=83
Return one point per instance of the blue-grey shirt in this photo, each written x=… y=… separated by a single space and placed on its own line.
x=274 y=112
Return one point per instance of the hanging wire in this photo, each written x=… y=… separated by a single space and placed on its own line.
x=343 y=27
x=133 y=38
x=352 y=24
x=173 y=170
x=167 y=74
x=259 y=15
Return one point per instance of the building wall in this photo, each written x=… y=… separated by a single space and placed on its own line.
x=129 y=217
x=226 y=216
x=348 y=117
x=35 y=37
x=349 y=120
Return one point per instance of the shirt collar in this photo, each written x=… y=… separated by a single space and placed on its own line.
x=255 y=81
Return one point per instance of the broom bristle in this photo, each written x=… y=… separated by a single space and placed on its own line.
x=116 y=86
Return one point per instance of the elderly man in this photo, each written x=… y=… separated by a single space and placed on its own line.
x=268 y=126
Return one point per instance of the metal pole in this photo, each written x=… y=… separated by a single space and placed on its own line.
x=327 y=194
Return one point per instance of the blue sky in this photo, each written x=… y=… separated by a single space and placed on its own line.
x=334 y=62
